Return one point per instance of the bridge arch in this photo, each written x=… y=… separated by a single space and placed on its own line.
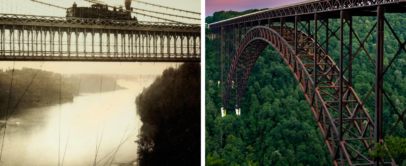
x=317 y=75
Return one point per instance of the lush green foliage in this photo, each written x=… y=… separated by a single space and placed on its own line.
x=393 y=147
x=276 y=126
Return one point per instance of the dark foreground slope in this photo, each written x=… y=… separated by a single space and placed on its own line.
x=170 y=112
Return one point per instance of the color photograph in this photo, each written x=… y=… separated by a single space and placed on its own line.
x=305 y=83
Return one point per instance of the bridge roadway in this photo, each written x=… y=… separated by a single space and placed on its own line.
x=348 y=129
x=48 y=38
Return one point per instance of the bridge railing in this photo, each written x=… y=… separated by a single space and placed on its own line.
x=88 y=21
x=307 y=7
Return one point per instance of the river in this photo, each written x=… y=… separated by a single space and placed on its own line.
x=72 y=133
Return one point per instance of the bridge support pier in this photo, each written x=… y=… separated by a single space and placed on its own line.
x=223 y=112
x=238 y=111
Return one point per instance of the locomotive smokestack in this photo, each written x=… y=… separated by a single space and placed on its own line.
x=127 y=4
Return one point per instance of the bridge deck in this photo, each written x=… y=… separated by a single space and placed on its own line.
x=44 y=38
x=315 y=6
x=63 y=22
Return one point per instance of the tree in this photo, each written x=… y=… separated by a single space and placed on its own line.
x=393 y=147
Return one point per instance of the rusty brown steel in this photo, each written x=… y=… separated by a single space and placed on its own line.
x=257 y=38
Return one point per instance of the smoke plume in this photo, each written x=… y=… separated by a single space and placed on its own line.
x=127 y=4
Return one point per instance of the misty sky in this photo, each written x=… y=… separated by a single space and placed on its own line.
x=242 y=5
x=32 y=8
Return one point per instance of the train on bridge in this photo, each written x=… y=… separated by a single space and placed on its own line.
x=98 y=11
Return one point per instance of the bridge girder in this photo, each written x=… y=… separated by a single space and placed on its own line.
x=40 y=38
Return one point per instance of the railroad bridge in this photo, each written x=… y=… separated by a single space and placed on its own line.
x=49 y=38
x=348 y=129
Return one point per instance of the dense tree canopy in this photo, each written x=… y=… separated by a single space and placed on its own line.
x=170 y=112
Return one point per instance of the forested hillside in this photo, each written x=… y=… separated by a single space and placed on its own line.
x=33 y=88
x=170 y=112
x=276 y=126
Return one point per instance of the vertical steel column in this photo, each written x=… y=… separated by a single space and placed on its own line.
x=222 y=53
x=12 y=39
x=92 y=42
x=137 y=37
x=32 y=41
x=139 y=43
x=84 y=41
x=52 y=41
x=316 y=57
x=144 y=44
x=341 y=74
x=282 y=21
x=188 y=44
x=36 y=42
x=101 y=43
x=77 y=42
x=147 y=44
x=162 y=42
x=21 y=39
x=194 y=44
x=60 y=41
x=123 y=44
x=269 y=22
x=327 y=36
x=116 y=43
x=308 y=28
x=129 y=44
x=69 y=36
x=245 y=29
x=132 y=43
x=349 y=17
x=155 y=44
x=379 y=77
x=296 y=34
x=108 y=43
x=45 y=43
x=28 y=42
x=3 y=39
x=181 y=43
x=42 y=50
x=175 y=38
x=239 y=33
x=340 y=86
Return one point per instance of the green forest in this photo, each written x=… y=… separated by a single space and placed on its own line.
x=276 y=126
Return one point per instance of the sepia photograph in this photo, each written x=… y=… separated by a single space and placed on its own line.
x=100 y=82
x=305 y=82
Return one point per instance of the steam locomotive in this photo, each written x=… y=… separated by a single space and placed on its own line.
x=98 y=11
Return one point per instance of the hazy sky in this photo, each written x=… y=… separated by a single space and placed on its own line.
x=241 y=5
x=33 y=8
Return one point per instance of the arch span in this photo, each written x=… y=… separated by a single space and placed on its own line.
x=347 y=131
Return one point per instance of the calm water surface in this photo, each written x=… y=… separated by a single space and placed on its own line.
x=72 y=133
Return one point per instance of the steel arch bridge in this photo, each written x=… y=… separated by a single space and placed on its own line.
x=348 y=129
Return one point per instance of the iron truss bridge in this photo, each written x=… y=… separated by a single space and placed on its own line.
x=348 y=129
x=47 y=38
